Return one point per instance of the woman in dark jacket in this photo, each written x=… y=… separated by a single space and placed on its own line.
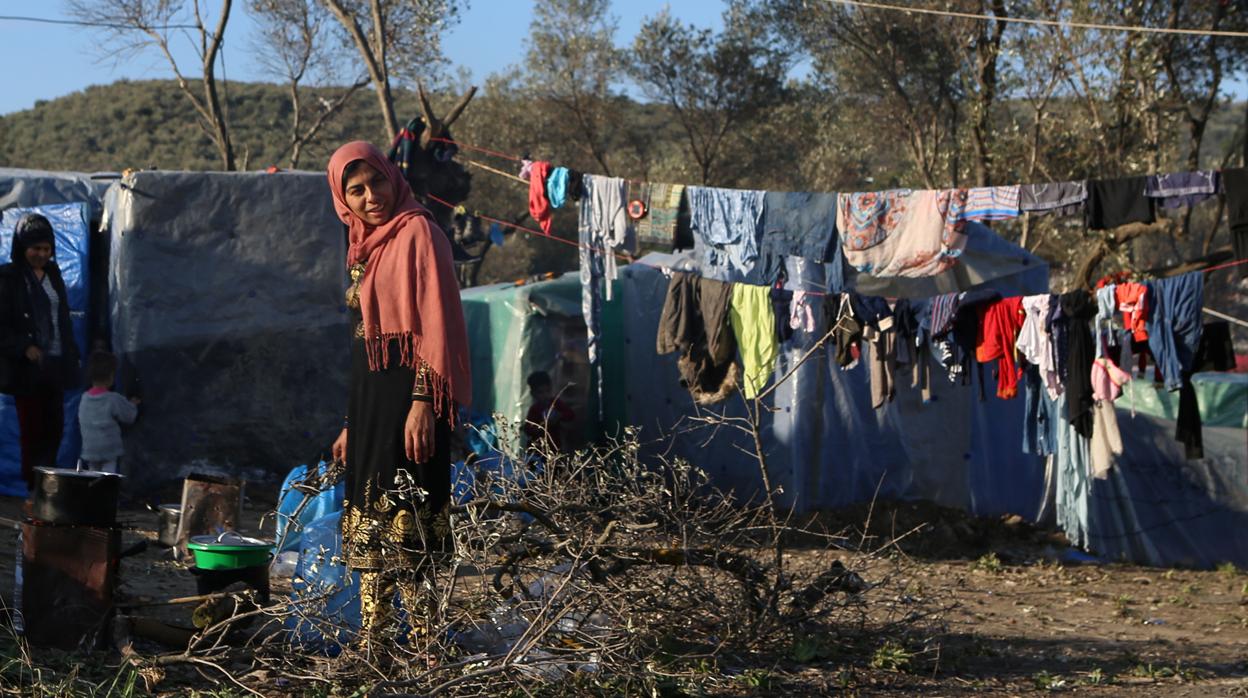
x=36 y=341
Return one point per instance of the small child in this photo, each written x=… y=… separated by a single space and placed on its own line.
x=548 y=416
x=101 y=414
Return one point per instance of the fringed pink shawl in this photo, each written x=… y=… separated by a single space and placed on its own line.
x=409 y=291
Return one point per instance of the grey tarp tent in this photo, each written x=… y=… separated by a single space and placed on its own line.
x=226 y=297
x=24 y=188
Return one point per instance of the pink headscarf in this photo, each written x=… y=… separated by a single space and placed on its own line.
x=409 y=291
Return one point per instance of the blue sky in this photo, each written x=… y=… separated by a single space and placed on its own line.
x=42 y=61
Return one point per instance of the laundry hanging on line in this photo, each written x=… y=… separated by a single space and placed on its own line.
x=1019 y=338
x=747 y=236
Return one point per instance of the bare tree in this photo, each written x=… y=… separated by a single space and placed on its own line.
x=395 y=39
x=1112 y=76
x=714 y=83
x=905 y=72
x=572 y=64
x=293 y=44
x=134 y=25
x=983 y=88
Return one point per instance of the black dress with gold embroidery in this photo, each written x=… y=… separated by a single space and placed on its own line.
x=395 y=514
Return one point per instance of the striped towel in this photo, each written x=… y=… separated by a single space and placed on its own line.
x=990 y=203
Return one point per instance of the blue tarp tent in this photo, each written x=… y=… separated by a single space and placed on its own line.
x=72 y=201
x=826 y=447
x=1157 y=507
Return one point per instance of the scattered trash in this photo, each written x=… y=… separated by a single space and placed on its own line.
x=1071 y=556
x=508 y=624
x=325 y=603
x=306 y=495
x=284 y=564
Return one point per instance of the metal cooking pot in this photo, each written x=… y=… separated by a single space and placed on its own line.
x=75 y=498
x=170 y=516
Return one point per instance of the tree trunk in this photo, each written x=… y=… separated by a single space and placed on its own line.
x=221 y=133
x=385 y=101
x=987 y=49
x=384 y=95
x=296 y=142
x=374 y=63
x=220 y=129
x=1114 y=240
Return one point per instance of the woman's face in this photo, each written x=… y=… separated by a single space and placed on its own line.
x=369 y=195
x=38 y=255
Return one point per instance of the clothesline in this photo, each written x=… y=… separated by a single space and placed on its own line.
x=498 y=172
x=509 y=224
x=618 y=255
x=537 y=233
x=487 y=151
x=1096 y=221
x=1234 y=263
x=1224 y=316
x=516 y=158
x=1043 y=22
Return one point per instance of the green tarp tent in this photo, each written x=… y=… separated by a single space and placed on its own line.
x=514 y=330
x=1223 y=399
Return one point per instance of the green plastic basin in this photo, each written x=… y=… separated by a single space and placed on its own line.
x=230 y=554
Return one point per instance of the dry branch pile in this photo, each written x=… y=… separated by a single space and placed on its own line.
x=593 y=572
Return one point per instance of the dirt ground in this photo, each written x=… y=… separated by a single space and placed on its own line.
x=1016 y=618
x=149 y=575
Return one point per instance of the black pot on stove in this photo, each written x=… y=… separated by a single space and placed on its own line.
x=75 y=498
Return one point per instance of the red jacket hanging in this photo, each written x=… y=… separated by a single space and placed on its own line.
x=1132 y=300
x=999 y=325
x=539 y=205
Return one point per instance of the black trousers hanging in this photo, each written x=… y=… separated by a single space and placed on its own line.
x=1188 y=431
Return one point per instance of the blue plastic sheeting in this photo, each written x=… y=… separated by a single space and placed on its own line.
x=70 y=223
x=27 y=188
x=825 y=446
x=1157 y=507
x=289 y=501
x=325 y=605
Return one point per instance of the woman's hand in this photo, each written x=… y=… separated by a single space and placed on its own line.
x=34 y=354
x=339 y=449
x=418 y=432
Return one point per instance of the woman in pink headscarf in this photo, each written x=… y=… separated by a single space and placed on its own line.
x=409 y=372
